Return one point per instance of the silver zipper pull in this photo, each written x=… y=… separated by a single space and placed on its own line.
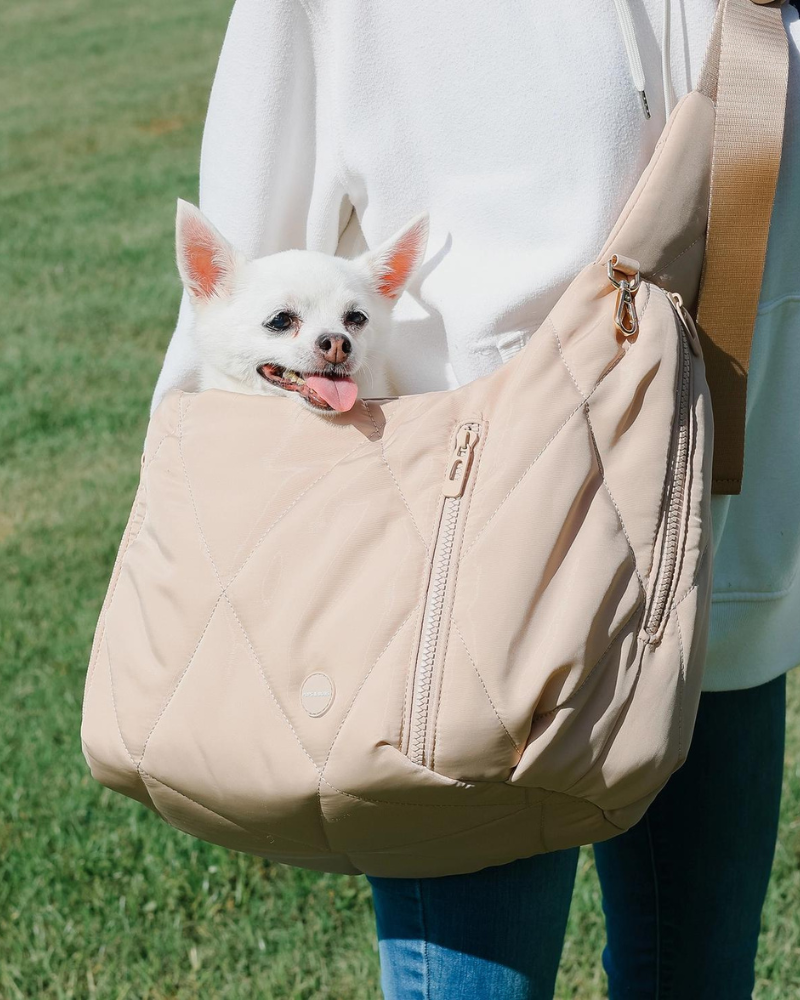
x=460 y=461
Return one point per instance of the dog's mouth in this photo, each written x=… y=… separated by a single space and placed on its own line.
x=322 y=390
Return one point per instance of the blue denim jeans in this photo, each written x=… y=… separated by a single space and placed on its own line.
x=682 y=891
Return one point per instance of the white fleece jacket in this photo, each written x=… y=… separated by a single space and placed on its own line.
x=516 y=124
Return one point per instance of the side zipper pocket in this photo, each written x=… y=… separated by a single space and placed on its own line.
x=677 y=484
x=435 y=627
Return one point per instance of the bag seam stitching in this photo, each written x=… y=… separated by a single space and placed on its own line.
x=454 y=624
x=237 y=573
x=127 y=540
x=601 y=470
x=224 y=593
x=599 y=458
x=379 y=441
x=179 y=434
x=584 y=399
x=358 y=690
x=183 y=673
x=219 y=815
x=114 y=706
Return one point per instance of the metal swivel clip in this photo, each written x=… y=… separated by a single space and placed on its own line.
x=625 y=318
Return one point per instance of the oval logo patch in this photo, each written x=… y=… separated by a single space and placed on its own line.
x=316 y=694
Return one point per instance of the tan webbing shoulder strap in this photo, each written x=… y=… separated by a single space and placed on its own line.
x=746 y=74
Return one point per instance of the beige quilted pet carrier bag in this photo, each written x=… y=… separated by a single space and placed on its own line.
x=449 y=630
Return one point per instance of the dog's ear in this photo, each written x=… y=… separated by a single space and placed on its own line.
x=390 y=265
x=206 y=260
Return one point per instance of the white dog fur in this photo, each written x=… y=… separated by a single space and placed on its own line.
x=266 y=325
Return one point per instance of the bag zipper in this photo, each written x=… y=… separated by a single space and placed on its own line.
x=433 y=631
x=676 y=497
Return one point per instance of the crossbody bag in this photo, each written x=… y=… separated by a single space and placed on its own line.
x=449 y=630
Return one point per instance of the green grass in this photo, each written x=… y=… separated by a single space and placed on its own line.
x=100 y=125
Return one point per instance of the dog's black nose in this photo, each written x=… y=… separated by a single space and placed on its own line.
x=334 y=347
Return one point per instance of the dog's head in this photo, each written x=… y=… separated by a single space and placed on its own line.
x=296 y=322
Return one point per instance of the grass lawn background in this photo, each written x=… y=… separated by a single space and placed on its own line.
x=100 y=125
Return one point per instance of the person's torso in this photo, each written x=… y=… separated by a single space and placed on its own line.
x=499 y=117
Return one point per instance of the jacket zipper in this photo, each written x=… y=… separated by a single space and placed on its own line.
x=681 y=453
x=433 y=625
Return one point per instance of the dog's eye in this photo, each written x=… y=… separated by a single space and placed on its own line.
x=355 y=318
x=280 y=322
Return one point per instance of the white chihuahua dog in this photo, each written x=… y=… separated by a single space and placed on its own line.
x=301 y=323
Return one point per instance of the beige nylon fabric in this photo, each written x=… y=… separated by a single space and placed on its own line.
x=746 y=74
x=268 y=546
x=663 y=224
x=441 y=631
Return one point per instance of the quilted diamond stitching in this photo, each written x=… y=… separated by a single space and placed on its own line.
x=224 y=594
x=598 y=456
x=114 y=706
x=268 y=686
x=379 y=440
x=454 y=624
x=128 y=538
x=219 y=815
x=323 y=779
x=353 y=700
x=583 y=403
x=281 y=516
x=584 y=406
x=183 y=673
x=610 y=495
x=223 y=588
x=519 y=482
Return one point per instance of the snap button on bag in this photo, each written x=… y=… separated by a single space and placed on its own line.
x=317 y=694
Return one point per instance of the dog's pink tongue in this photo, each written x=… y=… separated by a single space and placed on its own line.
x=338 y=393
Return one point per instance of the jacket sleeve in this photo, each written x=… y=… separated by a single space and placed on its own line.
x=269 y=177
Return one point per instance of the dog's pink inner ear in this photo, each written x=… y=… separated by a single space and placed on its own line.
x=397 y=268
x=395 y=265
x=204 y=263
